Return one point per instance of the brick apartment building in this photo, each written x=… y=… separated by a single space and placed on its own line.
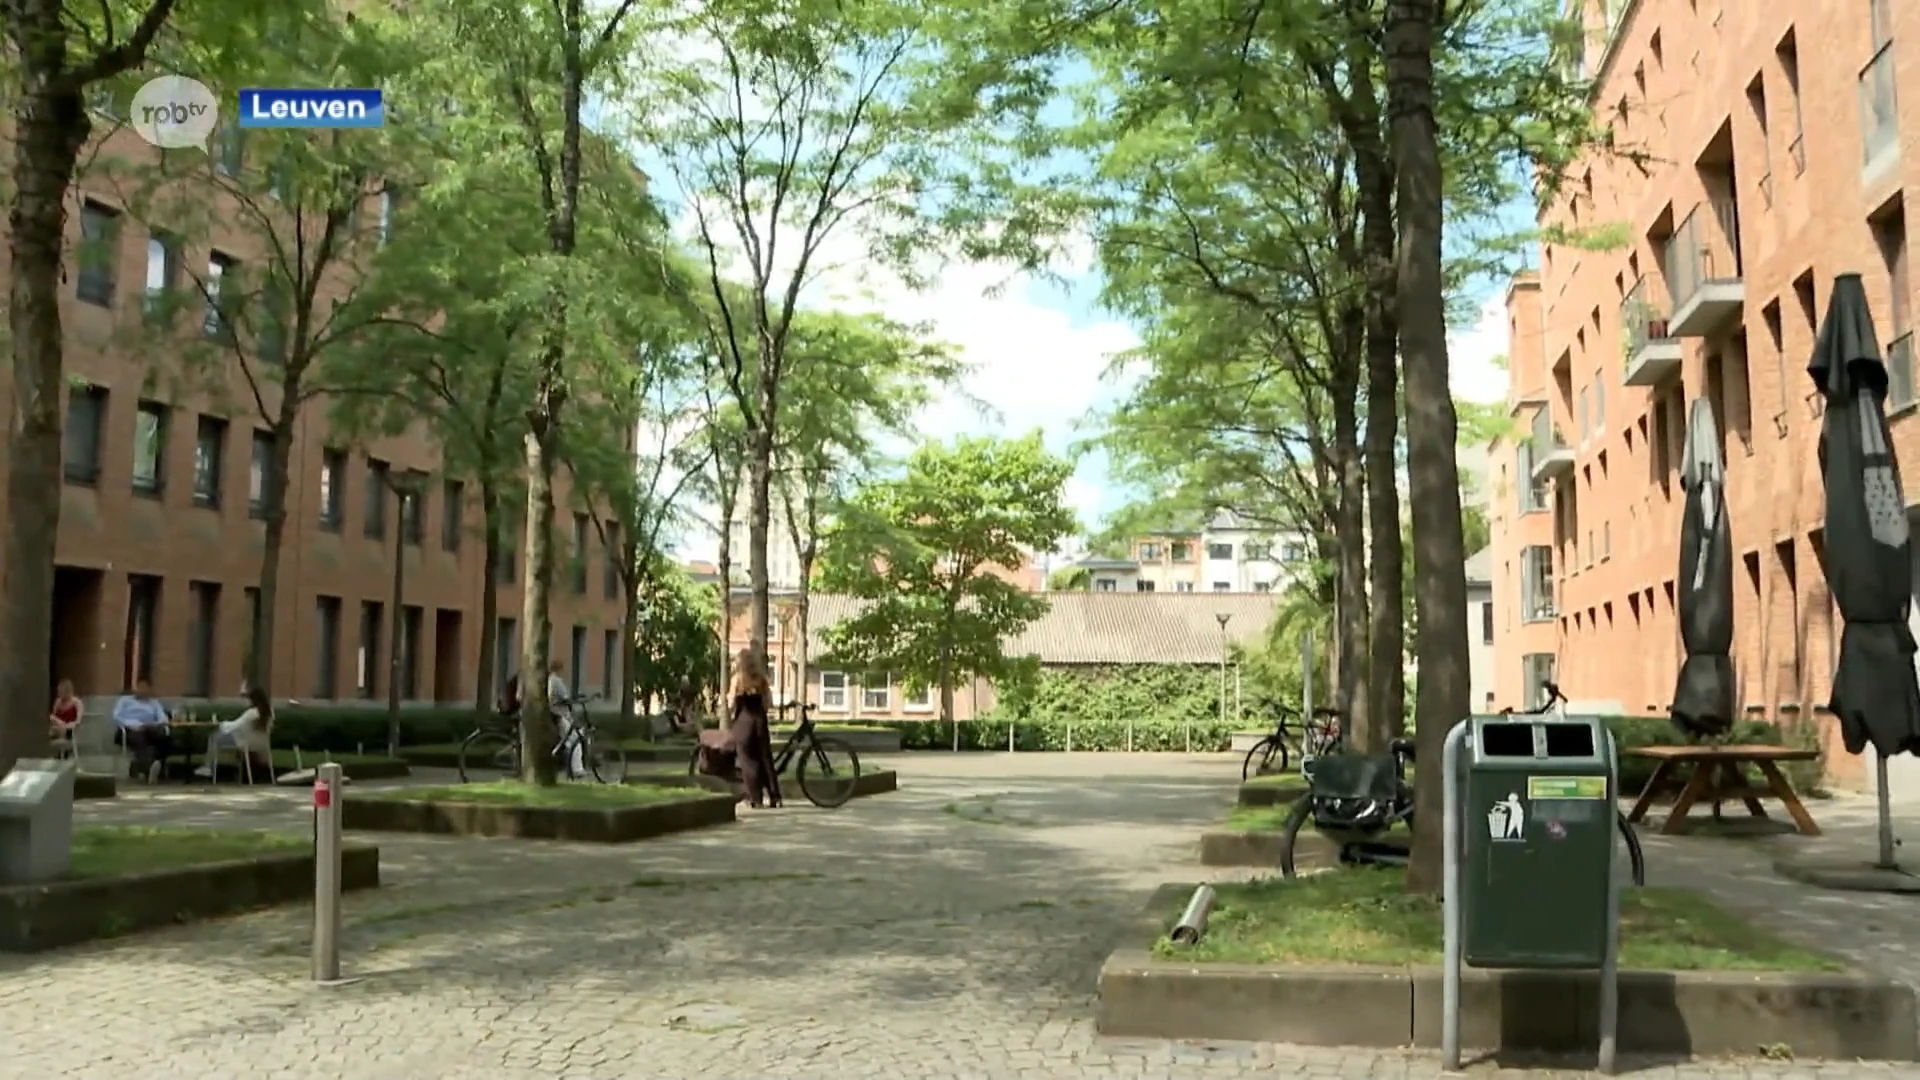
x=1772 y=156
x=160 y=540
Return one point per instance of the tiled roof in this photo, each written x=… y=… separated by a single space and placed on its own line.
x=1112 y=628
x=1480 y=566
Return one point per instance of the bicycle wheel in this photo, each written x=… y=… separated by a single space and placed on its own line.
x=827 y=771
x=1269 y=755
x=606 y=760
x=489 y=751
x=1290 y=832
x=1635 y=858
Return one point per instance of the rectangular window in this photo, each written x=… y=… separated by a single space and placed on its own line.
x=1788 y=54
x=86 y=422
x=1105 y=584
x=612 y=580
x=876 y=692
x=143 y=607
x=333 y=489
x=388 y=197
x=1150 y=552
x=413 y=515
x=1879 y=111
x=1183 y=586
x=272 y=320
x=1263 y=586
x=609 y=663
x=366 y=662
x=578 y=659
x=1256 y=552
x=579 y=565
x=1220 y=551
x=1182 y=552
x=163 y=274
x=833 y=691
x=377 y=476
x=506 y=648
x=260 y=493
x=920 y=700
x=214 y=322
x=1222 y=586
x=452 y=515
x=1536 y=584
x=209 y=460
x=150 y=448
x=99 y=251
x=1295 y=552
x=326 y=681
x=202 y=633
x=510 y=531
x=1486 y=623
x=1537 y=670
x=412 y=619
x=1143 y=586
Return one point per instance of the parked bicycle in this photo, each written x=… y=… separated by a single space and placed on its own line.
x=495 y=748
x=1556 y=706
x=826 y=768
x=1354 y=800
x=1315 y=738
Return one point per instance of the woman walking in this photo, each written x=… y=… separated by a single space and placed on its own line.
x=750 y=733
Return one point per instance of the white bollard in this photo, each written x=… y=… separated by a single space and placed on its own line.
x=327 y=790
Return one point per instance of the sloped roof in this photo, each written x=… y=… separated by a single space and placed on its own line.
x=1480 y=566
x=1111 y=628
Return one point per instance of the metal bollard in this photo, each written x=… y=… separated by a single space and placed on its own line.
x=326 y=873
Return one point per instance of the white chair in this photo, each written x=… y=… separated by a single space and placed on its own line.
x=219 y=741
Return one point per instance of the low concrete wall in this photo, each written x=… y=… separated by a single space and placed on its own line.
x=37 y=917
x=91 y=785
x=1815 y=1015
x=432 y=757
x=600 y=825
x=869 y=783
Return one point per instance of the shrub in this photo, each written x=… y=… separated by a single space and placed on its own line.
x=345 y=729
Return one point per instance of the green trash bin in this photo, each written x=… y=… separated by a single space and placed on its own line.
x=1539 y=810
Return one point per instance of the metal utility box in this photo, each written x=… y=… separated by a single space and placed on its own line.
x=1538 y=813
x=36 y=821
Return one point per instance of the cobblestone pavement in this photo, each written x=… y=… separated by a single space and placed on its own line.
x=952 y=929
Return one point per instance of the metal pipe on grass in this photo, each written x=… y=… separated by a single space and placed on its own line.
x=1193 y=922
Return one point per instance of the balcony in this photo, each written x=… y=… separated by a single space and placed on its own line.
x=1552 y=457
x=1703 y=270
x=1652 y=352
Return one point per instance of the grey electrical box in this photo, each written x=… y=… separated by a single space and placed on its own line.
x=36 y=821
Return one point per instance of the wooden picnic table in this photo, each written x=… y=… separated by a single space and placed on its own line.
x=1715 y=774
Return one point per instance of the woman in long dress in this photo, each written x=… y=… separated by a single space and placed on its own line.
x=750 y=732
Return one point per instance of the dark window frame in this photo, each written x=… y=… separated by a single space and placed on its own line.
x=93 y=402
x=96 y=275
x=333 y=489
x=328 y=611
x=209 y=476
x=259 y=504
x=379 y=474
x=161 y=413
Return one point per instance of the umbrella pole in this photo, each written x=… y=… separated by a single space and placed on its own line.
x=1886 y=815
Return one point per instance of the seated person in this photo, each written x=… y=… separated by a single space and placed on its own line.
x=64 y=719
x=143 y=724
x=250 y=733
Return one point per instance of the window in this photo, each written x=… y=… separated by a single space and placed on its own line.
x=1151 y=552
x=143 y=606
x=1537 y=670
x=1256 y=552
x=274 y=316
x=612 y=582
x=1222 y=586
x=506 y=646
x=377 y=475
x=1143 y=586
x=833 y=690
x=1182 y=552
x=1600 y=409
x=578 y=658
x=773 y=628
x=920 y=700
x=1103 y=585
x=1536 y=584
x=214 y=323
x=163 y=273
x=1183 y=586
x=1263 y=586
x=99 y=243
x=452 y=515
x=385 y=226
x=413 y=515
x=876 y=692
x=209 y=460
x=609 y=663
x=366 y=662
x=1879 y=114
x=1533 y=495
x=260 y=493
x=1219 y=551
x=333 y=489
x=201 y=635
x=579 y=564
x=510 y=531
x=1486 y=622
x=1890 y=237
x=86 y=420
x=1294 y=552
x=326 y=680
x=229 y=149
x=150 y=448
x=411 y=621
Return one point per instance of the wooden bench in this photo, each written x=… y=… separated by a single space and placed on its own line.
x=1714 y=774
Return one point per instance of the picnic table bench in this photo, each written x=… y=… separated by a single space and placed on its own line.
x=1715 y=774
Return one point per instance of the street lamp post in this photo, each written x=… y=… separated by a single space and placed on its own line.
x=1222 y=619
x=405 y=483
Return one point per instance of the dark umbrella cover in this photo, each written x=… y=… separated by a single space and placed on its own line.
x=1703 y=695
x=1868 y=562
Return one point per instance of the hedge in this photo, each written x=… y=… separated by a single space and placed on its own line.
x=345 y=729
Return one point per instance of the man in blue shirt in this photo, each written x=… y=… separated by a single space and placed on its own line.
x=143 y=726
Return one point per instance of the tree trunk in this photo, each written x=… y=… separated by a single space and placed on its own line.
x=1440 y=587
x=275 y=486
x=632 y=580
x=484 y=676
x=1386 y=667
x=759 y=528
x=536 y=736
x=50 y=127
x=1350 y=544
x=729 y=501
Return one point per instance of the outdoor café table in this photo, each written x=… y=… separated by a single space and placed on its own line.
x=194 y=735
x=1714 y=773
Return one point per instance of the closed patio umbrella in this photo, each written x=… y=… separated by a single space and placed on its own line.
x=1868 y=561
x=1703 y=694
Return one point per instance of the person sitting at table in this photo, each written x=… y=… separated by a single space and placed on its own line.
x=250 y=733
x=143 y=724
x=64 y=719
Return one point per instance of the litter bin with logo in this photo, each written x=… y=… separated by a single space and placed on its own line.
x=1530 y=812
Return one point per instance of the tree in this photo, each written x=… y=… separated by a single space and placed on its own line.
x=679 y=654
x=57 y=50
x=917 y=549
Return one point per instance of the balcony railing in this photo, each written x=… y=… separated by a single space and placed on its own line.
x=1900 y=372
x=1551 y=454
x=1702 y=263
x=1650 y=351
x=1879 y=110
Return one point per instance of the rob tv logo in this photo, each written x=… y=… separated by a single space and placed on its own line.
x=308 y=108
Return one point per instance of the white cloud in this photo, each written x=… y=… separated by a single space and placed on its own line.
x=1472 y=352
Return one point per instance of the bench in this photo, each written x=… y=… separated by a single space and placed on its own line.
x=1715 y=774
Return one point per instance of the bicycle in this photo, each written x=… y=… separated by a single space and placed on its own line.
x=825 y=784
x=1556 y=706
x=1273 y=752
x=497 y=748
x=1353 y=800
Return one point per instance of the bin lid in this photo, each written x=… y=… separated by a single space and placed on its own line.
x=1540 y=738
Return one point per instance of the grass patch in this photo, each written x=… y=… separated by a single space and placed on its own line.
x=559 y=796
x=1365 y=916
x=633 y=743
x=115 y=850
x=1290 y=780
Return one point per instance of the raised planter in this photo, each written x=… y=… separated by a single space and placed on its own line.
x=1269 y=794
x=88 y=785
x=1813 y=1014
x=231 y=773
x=868 y=783
x=440 y=757
x=36 y=917
x=1311 y=851
x=599 y=825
